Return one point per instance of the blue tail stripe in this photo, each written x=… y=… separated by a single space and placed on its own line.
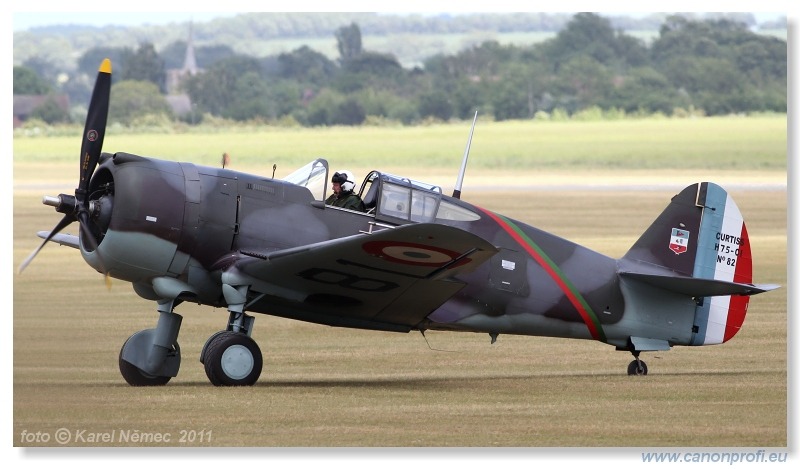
x=706 y=259
x=711 y=223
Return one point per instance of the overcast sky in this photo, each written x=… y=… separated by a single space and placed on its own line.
x=24 y=21
x=45 y=12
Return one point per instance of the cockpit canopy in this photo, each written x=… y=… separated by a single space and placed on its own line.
x=399 y=199
x=388 y=197
x=313 y=176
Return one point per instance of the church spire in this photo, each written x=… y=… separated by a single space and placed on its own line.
x=189 y=62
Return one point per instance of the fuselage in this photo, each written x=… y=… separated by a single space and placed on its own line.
x=189 y=222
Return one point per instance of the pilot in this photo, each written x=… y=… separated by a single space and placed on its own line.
x=343 y=195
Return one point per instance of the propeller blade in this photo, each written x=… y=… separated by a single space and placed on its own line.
x=95 y=128
x=92 y=146
x=61 y=225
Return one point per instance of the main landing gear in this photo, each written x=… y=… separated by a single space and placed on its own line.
x=231 y=357
x=152 y=357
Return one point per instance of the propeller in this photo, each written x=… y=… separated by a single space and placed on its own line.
x=76 y=208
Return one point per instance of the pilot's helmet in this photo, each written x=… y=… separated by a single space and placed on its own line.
x=345 y=178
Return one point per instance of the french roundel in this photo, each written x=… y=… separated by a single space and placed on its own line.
x=410 y=253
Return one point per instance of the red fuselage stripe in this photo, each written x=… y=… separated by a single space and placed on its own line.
x=552 y=270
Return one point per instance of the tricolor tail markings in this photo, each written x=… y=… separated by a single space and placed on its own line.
x=722 y=318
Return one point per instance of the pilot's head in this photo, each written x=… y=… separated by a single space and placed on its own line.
x=343 y=181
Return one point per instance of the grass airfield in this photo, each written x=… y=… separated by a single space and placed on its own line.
x=330 y=387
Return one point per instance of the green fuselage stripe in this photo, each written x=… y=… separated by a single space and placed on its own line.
x=552 y=269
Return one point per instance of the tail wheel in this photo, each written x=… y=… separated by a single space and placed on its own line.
x=232 y=359
x=637 y=368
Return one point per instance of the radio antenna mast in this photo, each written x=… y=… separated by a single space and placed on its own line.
x=460 y=180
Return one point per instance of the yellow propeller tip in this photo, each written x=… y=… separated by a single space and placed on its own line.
x=105 y=67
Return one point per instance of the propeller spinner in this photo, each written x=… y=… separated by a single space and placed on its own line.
x=77 y=207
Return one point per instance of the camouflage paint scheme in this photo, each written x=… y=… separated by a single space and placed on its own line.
x=200 y=229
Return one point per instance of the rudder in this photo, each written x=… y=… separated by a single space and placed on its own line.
x=723 y=253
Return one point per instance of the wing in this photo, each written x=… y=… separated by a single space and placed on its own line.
x=391 y=279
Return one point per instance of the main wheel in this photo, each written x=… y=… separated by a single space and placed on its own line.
x=136 y=377
x=232 y=359
x=637 y=368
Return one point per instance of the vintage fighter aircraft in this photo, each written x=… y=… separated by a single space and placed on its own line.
x=416 y=260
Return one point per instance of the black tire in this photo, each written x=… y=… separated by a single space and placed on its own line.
x=136 y=377
x=637 y=368
x=233 y=359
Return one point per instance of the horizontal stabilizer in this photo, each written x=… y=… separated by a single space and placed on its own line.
x=698 y=287
x=61 y=238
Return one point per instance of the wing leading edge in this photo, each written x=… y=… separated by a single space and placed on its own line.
x=390 y=277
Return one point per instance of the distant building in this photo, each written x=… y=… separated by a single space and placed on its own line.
x=176 y=76
x=179 y=101
x=181 y=104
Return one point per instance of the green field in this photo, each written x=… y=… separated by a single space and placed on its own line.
x=502 y=154
x=332 y=387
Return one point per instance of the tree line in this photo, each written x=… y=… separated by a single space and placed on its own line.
x=711 y=67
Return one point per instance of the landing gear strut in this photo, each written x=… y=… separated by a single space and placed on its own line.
x=231 y=357
x=151 y=357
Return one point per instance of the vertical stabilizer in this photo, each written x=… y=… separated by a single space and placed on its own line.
x=700 y=235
